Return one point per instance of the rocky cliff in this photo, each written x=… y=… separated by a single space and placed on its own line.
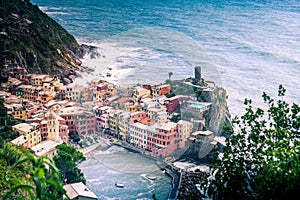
x=32 y=40
x=219 y=114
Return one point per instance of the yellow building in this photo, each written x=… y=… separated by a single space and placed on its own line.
x=123 y=124
x=131 y=107
x=37 y=79
x=55 y=81
x=46 y=96
x=186 y=128
x=114 y=118
x=30 y=131
x=140 y=93
x=19 y=112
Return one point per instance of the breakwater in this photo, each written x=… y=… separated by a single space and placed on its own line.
x=175 y=175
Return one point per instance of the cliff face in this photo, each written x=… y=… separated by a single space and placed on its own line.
x=33 y=41
x=219 y=113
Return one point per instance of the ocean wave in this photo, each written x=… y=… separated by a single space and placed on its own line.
x=56 y=13
x=43 y=8
x=111 y=150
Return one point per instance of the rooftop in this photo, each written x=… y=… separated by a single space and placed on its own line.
x=168 y=126
x=76 y=190
x=19 y=140
x=23 y=127
x=39 y=76
x=45 y=146
x=205 y=133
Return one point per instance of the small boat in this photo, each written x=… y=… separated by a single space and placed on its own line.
x=108 y=74
x=151 y=177
x=119 y=185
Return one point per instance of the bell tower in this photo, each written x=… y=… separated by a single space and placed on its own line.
x=53 y=126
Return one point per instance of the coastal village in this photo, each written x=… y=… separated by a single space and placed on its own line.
x=150 y=119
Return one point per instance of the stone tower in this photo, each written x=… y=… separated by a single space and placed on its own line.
x=53 y=127
x=197 y=73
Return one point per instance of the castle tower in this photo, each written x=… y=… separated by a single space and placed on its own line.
x=197 y=73
x=53 y=127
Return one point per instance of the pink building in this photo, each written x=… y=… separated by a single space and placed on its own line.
x=44 y=129
x=79 y=120
x=172 y=104
x=165 y=140
x=102 y=117
x=161 y=139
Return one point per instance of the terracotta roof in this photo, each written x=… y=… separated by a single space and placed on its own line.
x=147 y=121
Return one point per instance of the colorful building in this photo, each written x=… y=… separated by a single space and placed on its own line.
x=102 y=117
x=166 y=139
x=159 y=90
x=141 y=93
x=172 y=104
x=30 y=131
x=138 y=134
x=79 y=120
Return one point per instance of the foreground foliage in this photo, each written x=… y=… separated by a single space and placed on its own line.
x=6 y=123
x=23 y=176
x=261 y=159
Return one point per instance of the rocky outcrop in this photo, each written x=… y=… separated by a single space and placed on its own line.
x=189 y=188
x=219 y=114
x=32 y=40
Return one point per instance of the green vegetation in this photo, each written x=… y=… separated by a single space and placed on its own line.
x=178 y=87
x=172 y=94
x=261 y=159
x=74 y=137
x=175 y=118
x=66 y=161
x=23 y=176
x=32 y=38
x=42 y=182
x=7 y=121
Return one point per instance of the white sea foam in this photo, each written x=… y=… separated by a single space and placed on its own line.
x=43 y=8
x=56 y=13
x=184 y=165
x=110 y=55
x=111 y=150
x=202 y=168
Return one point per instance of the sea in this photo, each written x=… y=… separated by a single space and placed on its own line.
x=104 y=168
x=245 y=46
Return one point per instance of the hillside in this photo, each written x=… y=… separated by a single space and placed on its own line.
x=32 y=40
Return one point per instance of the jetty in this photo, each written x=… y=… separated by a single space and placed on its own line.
x=176 y=178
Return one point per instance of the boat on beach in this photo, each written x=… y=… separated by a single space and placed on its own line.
x=119 y=185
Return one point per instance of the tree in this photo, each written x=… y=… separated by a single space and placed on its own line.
x=74 y=137
x=66 y=161
x=261 y=159
x=6 y=123
x=170 y=75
